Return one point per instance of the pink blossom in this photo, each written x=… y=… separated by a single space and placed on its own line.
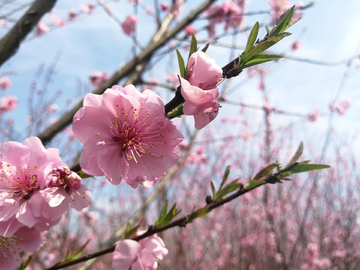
x=57 y=21
x=42 y=28
x=64 y=190
x=89 y=8
x=24 y=239
x=313 y=116
x=126 y=136
x=149 y=10
x=340 y=106
x=144 y=254
x=173 y=77
x=164 y=6
x=295 y=45
x=53 y=108
x=5 y=83
x=8 y=103
x=199 y=89
x=128 y=25
x=189 y=30
x=98 y=77
x=25 y=167
x=72 y=15
x=3 y=23
x=232 y=13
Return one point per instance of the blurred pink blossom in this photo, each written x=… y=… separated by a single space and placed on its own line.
x=189 y=30
x=295 y=45
x=340 y=106
x=199 y=89
x=57 y=21
x=3 y=23
x=312 y=117
x=128 y=25
x=98 y=77
x=89 y=8
x=149 y=86
x=126 y=136
x=41 y=28
x=72 y=15
x=8 y=103
x=53 y=108
x=5 y=83
x=173 y=77
x=144 y=254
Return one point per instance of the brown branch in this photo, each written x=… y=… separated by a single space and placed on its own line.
x=11 y=41
x=125 y=70
x=181 y=222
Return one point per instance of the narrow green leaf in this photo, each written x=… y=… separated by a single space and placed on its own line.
x=253 y=184
x=170 y=215
x=225 y=177
x=283 y=22
x=297 y=155
x=198 y=213
x=212 y=189
x=262 y=58
x=193 y=45
x=206 y=47
x=163 y=211
x=265 y=171
x=259 y=48
x=181 y=64
x=130 y=231
x=25 y=263
x=267 y=30
x=304 y=167
x=228 y=189
x=292 y=23
x=252 y=38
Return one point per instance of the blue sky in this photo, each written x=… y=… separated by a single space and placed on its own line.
x=328 y=32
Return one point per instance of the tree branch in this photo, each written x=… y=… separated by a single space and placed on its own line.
x=10 y=43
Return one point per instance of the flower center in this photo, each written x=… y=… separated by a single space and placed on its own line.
x=10 y=244
x=21 y=181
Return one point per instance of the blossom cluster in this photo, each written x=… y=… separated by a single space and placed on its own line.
x=36 y=189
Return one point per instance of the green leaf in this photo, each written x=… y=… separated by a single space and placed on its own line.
x=253 y=184
x=77 y=253
x=305 y=167
x=193 y=45
x=283 y=22
x=292 y=23
x=212 y=189
x=25 y=264
x=252 y=38
x=297 y=155
x=225 y=177
x=181 y=64
x=165 y=217
x=267 y=30
x=262 y=58
x=261 y=47
x=130 y=231
x=227 y=189
x=266 y=171
x=198 y=213
x=206 y=47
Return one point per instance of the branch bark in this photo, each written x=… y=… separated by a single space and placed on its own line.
x=10 y=43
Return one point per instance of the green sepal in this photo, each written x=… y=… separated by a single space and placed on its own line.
x=130 y=231
x=24 y=264
x=252 y=38
x=266 y=171
x=84 y=175
x=181 y=64
x=234 y=185
x=225 y=177
x=177 y=112
x=297 y=155
x=262 y=58
x=206 y=47
x=193 y=45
